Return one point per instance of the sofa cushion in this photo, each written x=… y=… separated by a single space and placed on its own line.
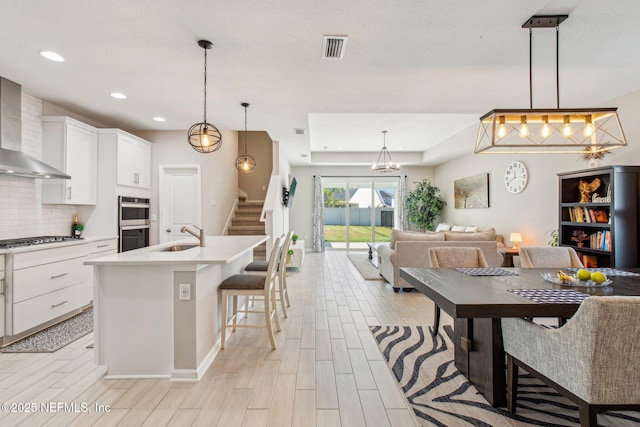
x=443 y=226
x=475 y=237
x=398 y=235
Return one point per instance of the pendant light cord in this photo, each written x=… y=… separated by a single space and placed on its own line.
x=557 y=66
x=530 y=67
x=205 y=85
x=245 y=131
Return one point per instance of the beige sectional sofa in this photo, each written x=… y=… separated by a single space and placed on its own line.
x=411 y=249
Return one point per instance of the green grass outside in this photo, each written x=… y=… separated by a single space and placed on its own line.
x=357 y=233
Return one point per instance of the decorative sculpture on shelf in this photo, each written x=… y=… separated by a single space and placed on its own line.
x=586 y=188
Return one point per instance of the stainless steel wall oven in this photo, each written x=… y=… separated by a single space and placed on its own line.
x=133 y=223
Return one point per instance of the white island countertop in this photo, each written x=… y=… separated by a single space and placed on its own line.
x=217 y=250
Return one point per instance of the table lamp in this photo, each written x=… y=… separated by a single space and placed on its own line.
x=515 y=238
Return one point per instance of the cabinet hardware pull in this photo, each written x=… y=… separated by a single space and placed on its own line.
x=59 y=304
x=102 y=246
x=136 y=178
x=69 y=193
x=59 y=275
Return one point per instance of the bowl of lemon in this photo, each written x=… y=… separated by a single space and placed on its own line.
x=583 y=277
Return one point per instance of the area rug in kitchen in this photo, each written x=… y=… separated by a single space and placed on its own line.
x=364 y=266
x=441 y=396
x=55 y=337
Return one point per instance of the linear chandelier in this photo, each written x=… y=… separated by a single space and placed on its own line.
x=591 y=132
x=384 y=163
x=245 y=163
x=205 y=137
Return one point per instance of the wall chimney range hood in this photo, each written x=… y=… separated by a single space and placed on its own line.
x=12 y=160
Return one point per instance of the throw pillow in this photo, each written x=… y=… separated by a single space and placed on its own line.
x=413 y=236
x=458 y=228
x=443 y=226
x=470 y=229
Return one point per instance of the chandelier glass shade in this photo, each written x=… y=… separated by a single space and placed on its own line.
x=384 y=164
x=245 y=163
x=584 y=131
x=205 y=137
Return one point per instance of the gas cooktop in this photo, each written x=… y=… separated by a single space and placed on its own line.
x=31 y=241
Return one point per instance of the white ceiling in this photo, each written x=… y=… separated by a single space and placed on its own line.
x=422 y=70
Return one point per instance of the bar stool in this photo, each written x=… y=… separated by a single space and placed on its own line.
x=252 y=285
x=261 y=267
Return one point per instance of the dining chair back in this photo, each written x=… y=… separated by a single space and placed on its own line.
x=592 y=359
x=453 y=257
x=548 y=257
x=253 y=285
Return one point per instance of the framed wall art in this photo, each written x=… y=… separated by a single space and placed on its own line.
x=472 y=192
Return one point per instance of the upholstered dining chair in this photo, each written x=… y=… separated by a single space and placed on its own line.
x=261 y=267
x=253 y=285
x=548 y=257
x=453 y=257
x=592 y=359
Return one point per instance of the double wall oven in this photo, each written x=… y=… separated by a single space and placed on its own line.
x=133 y=223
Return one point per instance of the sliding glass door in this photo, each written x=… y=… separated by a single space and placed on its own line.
x=358 y=210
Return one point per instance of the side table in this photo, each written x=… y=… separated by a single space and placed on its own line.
x=298 y=254
x=508 y=254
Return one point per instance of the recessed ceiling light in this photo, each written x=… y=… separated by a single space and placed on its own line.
x=118 y=95
x=338 y=148
x=159 y=119
x=401 y=148
x=51 y=56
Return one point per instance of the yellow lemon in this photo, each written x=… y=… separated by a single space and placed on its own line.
x=583 y=274
x=598 y=277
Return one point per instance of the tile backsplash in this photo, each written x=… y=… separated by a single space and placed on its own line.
x=22 y=213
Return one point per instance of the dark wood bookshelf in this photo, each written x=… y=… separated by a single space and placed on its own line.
x=613 y=243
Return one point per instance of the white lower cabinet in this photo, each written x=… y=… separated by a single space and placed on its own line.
x=47 y=284
x=41 y=309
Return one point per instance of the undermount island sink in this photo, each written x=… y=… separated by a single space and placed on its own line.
x=176 y=248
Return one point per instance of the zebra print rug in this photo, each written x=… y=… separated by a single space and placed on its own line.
x=441 y=396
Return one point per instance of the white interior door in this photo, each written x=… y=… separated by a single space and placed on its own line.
x=179 y=199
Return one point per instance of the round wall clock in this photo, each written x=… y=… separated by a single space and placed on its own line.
x=515 y=177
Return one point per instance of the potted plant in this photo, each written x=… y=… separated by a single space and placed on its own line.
x=294 y=238
x=289 y=256
x=554 y=238
x=424 y=205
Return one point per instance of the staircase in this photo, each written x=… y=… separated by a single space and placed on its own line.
x=246 y=221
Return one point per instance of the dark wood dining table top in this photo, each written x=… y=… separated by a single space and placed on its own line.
x=464 y=296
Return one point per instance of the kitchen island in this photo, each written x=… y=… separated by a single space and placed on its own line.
x=157 y=311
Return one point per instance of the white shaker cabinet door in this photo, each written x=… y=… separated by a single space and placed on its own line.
x=134 y=162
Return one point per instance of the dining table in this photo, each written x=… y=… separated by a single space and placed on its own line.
x=477 y=300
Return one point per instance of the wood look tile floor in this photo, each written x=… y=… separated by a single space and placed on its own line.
x=326 y=371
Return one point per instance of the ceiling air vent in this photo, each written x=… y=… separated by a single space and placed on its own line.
x=334 y=46
x=298 y=131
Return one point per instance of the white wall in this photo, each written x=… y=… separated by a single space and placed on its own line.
x=219 y=175
x=533 y=212
x=300 y=213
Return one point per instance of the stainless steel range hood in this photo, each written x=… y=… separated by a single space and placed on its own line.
x=12 y=160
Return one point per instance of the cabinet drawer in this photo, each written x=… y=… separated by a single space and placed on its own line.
x=97 y=248
x=35 y=311
x=46 y=256
x=42 y=279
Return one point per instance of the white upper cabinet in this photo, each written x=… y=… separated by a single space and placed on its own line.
x=72 y=147
x=133 y=161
